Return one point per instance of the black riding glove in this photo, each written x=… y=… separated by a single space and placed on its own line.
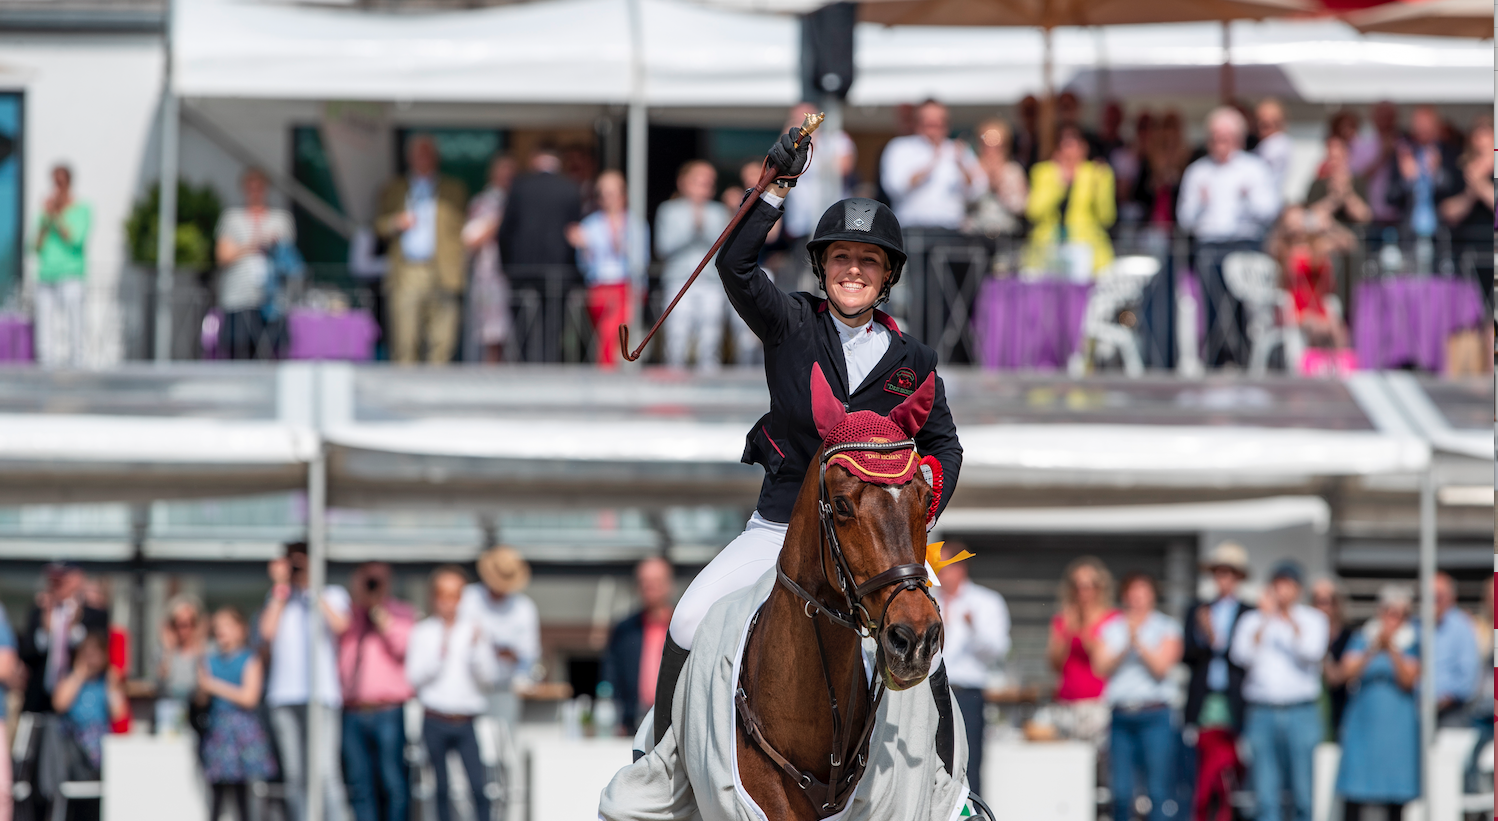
x=788 y=158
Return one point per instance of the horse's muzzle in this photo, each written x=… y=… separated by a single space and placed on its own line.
x=907 y=655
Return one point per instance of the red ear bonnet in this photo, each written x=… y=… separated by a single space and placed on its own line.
x=837 y=426
x=911 y=414
x=826 y=408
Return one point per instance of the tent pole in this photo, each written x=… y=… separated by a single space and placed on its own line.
x=166 y=213
x=830 y=175
x=1226 y=78
x=636 y=161
x=1048 y=99
x=317 y=566
x=1427 y=627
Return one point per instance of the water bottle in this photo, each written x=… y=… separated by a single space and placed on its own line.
x=605 y=712
x=1390 y=258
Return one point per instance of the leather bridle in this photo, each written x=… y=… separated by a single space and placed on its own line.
x=850 y=750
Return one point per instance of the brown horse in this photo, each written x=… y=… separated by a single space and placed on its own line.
x=852 y=566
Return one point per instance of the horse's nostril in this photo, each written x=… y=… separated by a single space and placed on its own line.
x=900 y=640
x=933 y=639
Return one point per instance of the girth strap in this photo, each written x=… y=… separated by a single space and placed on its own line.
x=826 y=799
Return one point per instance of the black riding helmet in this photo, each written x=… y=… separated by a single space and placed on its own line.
x=859 y=219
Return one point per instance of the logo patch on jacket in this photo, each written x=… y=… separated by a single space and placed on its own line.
x=902 y=381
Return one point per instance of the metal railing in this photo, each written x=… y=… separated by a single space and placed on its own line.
x=937 y=300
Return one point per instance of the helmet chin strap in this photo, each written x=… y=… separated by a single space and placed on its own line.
x=822 y=283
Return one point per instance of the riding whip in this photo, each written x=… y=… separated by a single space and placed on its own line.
x=766 y=176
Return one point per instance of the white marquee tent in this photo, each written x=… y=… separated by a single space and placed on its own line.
x=579 y=51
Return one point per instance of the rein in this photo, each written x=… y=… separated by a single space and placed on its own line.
x=850 y=751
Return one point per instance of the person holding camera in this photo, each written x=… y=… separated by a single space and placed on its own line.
x=286 y=626
x=371 y=669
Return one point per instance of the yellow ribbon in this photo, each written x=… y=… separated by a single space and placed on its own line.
x=933 y=557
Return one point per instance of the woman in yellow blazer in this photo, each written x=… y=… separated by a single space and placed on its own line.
x=1084 y=189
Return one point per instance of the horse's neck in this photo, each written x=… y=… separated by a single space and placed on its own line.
x=783 y=670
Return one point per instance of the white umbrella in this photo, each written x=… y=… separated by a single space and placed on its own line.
x=1443 y=18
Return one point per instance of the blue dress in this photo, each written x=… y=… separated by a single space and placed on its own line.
x=88 y=719
x=236 y=748
x=1380 y=734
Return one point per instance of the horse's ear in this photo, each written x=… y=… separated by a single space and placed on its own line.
x=911 y=414
x=826 y=408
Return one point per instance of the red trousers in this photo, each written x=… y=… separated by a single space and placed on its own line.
x=1218 y=771
x=608 y=307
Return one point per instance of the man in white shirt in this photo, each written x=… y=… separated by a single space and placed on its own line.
x=1280 y=647
x=421 y=215
x=511 y=626
x=930 y=177
x=450 y=663
x=1228 y=200
x=285 y=626
x=975 y=635
x=1275 y=146
x=685 y=228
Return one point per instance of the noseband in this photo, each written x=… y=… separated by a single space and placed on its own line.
x=850 y=752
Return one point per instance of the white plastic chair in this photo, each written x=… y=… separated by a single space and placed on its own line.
x=1119 y=285
x=1254 y=279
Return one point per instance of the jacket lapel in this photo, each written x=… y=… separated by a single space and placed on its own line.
x=834 y=350
x=894 y=354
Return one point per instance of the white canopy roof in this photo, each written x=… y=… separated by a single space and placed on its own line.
x=1160 y=455
x=578 y=51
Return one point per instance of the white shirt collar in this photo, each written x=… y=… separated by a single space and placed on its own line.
x=850 y=332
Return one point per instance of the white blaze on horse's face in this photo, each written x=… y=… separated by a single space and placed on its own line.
x=894 y=492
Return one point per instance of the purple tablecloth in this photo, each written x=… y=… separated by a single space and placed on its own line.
x=1405 y=320
x=317 y=335
x=1028 y=325
x=15 y=338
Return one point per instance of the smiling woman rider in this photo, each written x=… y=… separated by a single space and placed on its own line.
x=857 y=255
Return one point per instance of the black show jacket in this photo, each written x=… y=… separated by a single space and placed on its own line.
x=797 y=331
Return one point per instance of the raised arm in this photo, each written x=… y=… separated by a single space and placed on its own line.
x=424 y=655
x=1245 y=644
x=1264 y=198
x=678 y=226
x=990 y=641
x=1192 y=200
x=767 y=310
x=483 y=661
x=246 y=694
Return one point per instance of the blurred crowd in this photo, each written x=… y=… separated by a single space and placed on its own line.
x=241 y=686
x=1188 y=714
x=1237 y=695
x=1406 y=193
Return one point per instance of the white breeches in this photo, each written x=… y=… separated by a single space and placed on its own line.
x=738 y=566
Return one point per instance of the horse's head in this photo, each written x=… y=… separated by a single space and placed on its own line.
x=879 y=501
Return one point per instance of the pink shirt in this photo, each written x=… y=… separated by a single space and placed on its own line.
x=371 y=664
x=653 y=643
x=1078 y=681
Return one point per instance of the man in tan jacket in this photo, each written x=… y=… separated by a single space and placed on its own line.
x=421 y=215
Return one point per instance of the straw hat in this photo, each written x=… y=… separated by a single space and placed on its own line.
x=504 y=570
x=1230 y=555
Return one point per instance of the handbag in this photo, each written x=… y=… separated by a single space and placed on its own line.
x=286 y=264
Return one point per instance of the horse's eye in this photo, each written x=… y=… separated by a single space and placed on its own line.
x=840 y=504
